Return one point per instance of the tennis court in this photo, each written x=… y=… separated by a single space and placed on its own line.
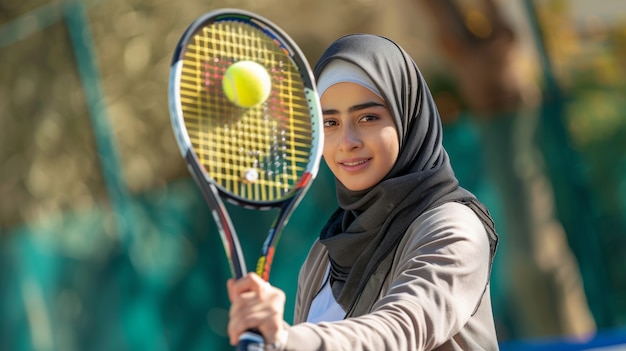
x=105 y=242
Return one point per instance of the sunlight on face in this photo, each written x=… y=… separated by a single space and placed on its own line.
x=361 y=139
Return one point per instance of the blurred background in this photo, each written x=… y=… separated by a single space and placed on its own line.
x=106 y=243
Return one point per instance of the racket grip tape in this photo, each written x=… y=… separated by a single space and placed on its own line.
x=251 y=340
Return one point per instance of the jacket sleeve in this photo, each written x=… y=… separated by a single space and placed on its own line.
x=437 y=282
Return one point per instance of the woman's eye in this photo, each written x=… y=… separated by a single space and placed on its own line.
x=329 y=123
x=368 y=118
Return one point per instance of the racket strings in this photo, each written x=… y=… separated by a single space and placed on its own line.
x=258 y=153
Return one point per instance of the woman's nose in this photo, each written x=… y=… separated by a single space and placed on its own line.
x=350 y=138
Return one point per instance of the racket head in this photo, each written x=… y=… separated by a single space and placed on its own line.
x=257 y=157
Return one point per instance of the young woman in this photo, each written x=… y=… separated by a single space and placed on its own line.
x=404 y=262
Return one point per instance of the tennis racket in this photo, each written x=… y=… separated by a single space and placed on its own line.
x=261 y=157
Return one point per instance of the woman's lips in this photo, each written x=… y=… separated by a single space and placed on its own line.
x=353 y=165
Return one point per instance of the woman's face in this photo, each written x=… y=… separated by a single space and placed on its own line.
x=361 y=139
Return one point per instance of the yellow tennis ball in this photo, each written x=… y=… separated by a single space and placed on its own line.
x=246 y=83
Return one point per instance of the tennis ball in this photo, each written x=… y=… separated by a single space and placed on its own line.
x=246 y=83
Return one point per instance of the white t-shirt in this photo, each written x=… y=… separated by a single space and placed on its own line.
x=324 y=307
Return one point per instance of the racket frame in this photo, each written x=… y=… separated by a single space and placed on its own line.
x=211 y=191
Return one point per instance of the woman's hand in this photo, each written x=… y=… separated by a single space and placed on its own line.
x=255 y=304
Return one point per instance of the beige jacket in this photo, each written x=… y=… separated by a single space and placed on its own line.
x=435 y=297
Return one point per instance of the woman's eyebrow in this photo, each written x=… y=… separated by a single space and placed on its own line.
x=354 y=108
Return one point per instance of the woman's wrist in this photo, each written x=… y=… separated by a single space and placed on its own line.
x=280 y=342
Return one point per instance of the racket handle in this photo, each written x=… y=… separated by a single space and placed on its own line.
x=251 y=340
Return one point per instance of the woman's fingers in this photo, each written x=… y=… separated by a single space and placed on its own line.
x=255 y=304
x=250 y=282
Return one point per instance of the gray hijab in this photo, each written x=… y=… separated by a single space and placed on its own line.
x=369 y=224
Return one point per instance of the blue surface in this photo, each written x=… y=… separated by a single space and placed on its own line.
x=613 y=340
